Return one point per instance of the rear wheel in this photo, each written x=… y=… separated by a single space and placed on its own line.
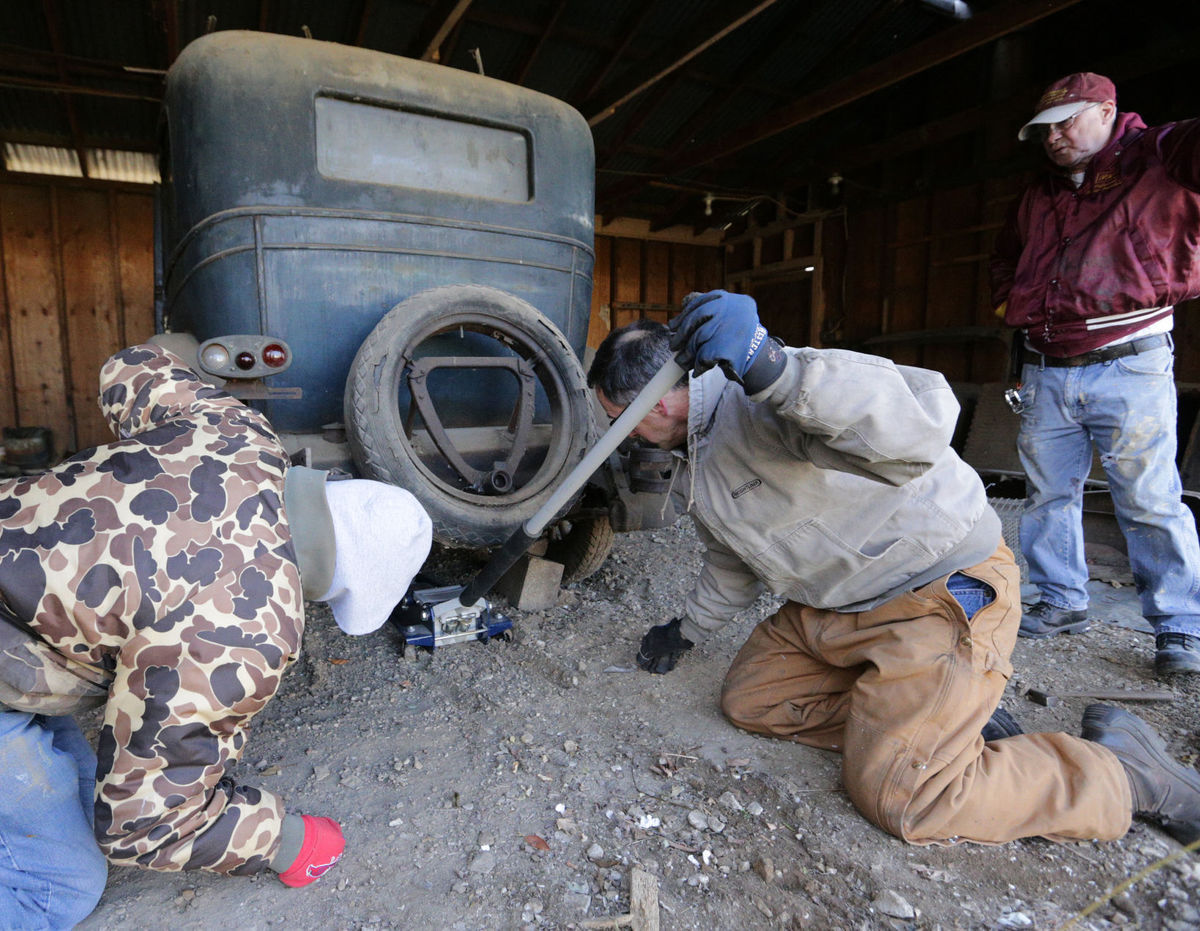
x=472 y=400
x=580 y=545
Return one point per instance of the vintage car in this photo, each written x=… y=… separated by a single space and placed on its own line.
x=392 y=259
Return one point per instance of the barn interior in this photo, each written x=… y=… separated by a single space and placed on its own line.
x=848 y=163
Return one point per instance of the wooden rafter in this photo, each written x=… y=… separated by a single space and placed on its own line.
x=703 y=113
x=639 y=119
x=954 y=41
x=678 y=60
x=522 y=70
x=68 y=87
x=627 y=31
x=364 y=16
x=439 y=23
x=1177 y=50
x=54 y=29
x=948 y=44
x=587 y=40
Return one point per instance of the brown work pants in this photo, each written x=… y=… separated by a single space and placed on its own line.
x=902 y=691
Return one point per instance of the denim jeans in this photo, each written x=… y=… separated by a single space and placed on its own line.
x=972 y=594
x=1126 y=409
x=51 y=869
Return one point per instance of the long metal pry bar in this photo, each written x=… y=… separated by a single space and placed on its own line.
x=469 y=602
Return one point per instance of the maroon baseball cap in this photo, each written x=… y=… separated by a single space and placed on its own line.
x=1066 y=97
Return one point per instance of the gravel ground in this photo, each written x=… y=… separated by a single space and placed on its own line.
x=516 y=785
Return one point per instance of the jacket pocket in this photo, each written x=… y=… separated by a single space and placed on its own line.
x=1152 y=266
x=815 y=566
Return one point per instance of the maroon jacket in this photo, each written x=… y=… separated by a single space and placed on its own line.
x=1081 y=268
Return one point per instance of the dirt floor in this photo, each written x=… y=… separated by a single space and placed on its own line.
x=518 y=785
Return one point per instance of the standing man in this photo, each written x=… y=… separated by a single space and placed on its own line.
x=827 y=477
x=164 y=576
x=1092 y=260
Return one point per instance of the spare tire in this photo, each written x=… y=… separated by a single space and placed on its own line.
x=472 y=400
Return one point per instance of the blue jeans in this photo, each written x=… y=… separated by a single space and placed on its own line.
x=1126 y=409
x=51 y=869
x=972 y=594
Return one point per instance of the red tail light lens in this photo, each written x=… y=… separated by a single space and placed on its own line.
x=274 y=355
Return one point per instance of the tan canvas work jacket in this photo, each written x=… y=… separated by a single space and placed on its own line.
x=836 y=487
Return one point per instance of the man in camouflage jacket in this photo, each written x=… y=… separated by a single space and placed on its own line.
x=160 y=575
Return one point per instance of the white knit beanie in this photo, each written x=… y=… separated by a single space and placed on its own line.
x=382 y=536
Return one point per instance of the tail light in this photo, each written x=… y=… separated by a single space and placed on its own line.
x=244 y=357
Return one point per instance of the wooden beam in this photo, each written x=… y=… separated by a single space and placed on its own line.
x=67 y=88
x=366 y=7
x=522 y=71
x=954 y=41
x=1176 y=50
x=639 y=119
x=760 y=52
x=679 y=60
x=948 y=44
x=587 y=40
x=443 y=16
x=628 y=29
x=167 y=12
x=54 y=28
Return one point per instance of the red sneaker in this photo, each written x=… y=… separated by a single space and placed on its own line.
x=321 y=849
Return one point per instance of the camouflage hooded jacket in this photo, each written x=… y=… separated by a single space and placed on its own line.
x=157 y=575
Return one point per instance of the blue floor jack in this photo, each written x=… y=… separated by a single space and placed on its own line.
x=433 y=615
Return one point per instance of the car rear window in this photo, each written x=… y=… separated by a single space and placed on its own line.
x=383 y=145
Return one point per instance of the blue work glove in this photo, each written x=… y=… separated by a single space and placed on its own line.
x=722 y=329
x=662 y=647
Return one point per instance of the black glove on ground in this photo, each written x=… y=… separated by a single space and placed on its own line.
x=662 y=646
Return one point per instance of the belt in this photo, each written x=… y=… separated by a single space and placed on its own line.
x=1107 y=354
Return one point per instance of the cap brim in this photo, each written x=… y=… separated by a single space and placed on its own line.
x=1052 y=115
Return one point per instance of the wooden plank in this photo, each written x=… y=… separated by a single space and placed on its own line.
x=8 y=390
x=816 y=321
x=133 y=216
x=33 y=291
x=710 y=269
x=600 y=322
x=90 y=297
x=656 y=288
x=957 y=40
x=864 y=274
x=683 y=273
x=627 y=278
x=910 y=266
x=951 y=295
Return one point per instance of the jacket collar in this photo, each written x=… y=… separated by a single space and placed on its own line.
x=704 y=395
x=1128 y=127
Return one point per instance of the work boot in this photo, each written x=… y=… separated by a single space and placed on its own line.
x=1044 y=620
x=1000 y=725
x=1164 y=790
x=1176 y=653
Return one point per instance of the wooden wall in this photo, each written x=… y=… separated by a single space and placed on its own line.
x=635 y=278
x=915 y=284
x=76 y=284
x=907 y=280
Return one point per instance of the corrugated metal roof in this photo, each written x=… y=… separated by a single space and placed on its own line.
x=102 y=164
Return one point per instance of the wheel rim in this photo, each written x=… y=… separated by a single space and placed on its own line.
x=525 y=443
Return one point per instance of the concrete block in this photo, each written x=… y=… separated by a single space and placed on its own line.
x=531 y=584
